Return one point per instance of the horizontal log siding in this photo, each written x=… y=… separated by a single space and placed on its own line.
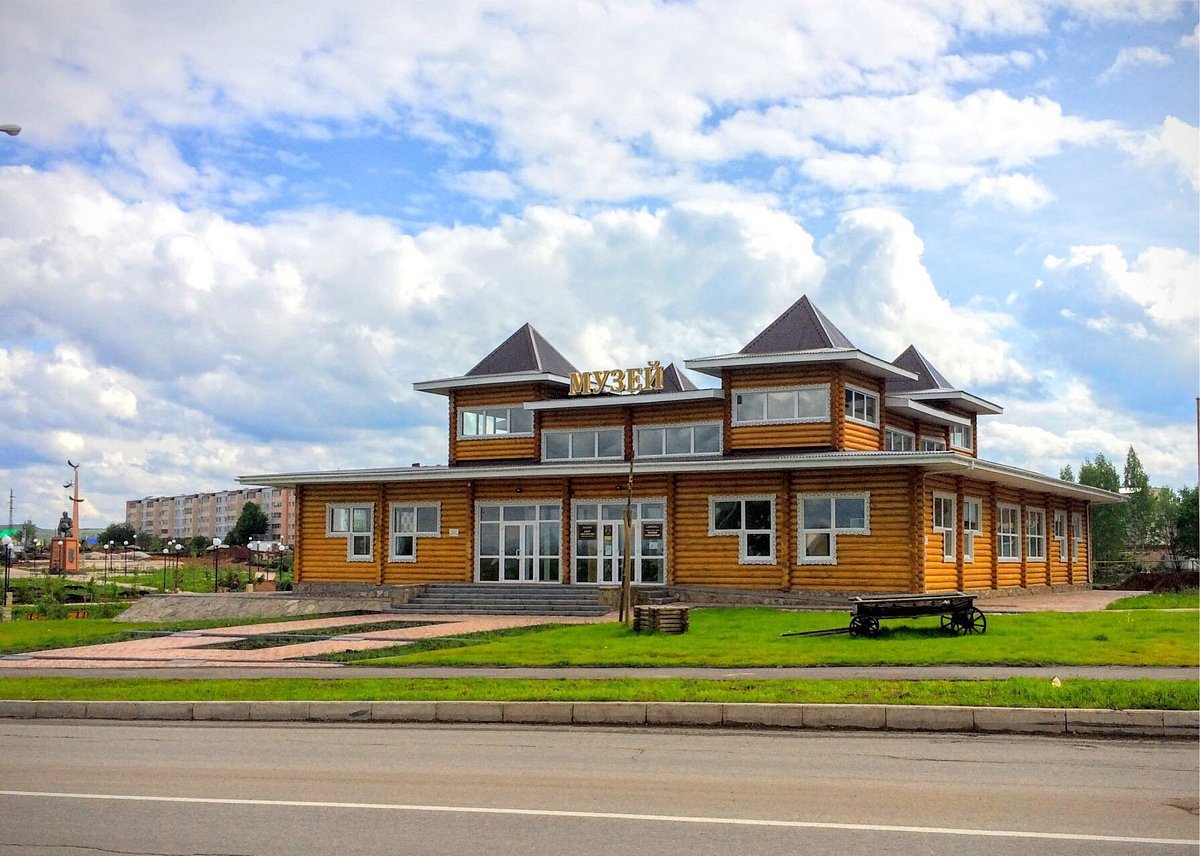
x=1037 y=571
x=445 y=558
x=532 y=490
x=711 y=410
x=588 y=417
x=323 y=559
x=701 y=560
x=940 y=575
x=1008 y=573
x=1057 y=560
x=493 y=448
x=862 y=438
x=877 y=562
x=895 y=420
x=613 y=487
x=978 y=574
x=782 y=435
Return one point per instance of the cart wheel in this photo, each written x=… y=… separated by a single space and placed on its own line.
x=864 y=625
x=974 y=621
x=949 y=625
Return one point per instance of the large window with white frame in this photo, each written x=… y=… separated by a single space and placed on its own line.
x=784 y=404
x=585 y=444
x=1035 y=533
x=409 y=522
x=1008 y=533
x=932 y=444
x=898 y=440
x=862 y=406
x=665 y=441
x=944 y=522
x=356 y=523
x=502 y=421
x=972 y=525
x=1077 y=534
x=1060 y=533
x=518 y=542
x=751 y=519
x=962 y=437
x=821 y=517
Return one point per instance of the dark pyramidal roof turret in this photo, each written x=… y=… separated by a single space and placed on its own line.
x=803 y=327
x=675 y=381
x=928 y=377
x=525 y=351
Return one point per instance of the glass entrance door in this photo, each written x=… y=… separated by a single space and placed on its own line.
x=599 y=542
x=518 y=543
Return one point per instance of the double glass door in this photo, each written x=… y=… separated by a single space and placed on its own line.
x=519 y=544
x=599 y=540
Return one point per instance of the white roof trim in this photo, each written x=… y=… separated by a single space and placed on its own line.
x=946 y=462
x=923 y=411
x=625 y=400
x=443 y=386
x=971 y=402
x=865 y=362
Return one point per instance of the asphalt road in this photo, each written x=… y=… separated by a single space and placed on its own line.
x=83 y=788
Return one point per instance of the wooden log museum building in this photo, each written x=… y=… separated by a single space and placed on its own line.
x=812 y=467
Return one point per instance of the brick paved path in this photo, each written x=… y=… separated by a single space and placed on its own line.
x=187 y=648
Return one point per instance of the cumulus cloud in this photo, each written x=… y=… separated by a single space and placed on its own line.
x=876 y=281
x=1160 y=282
x=1133 y=57
x=1175 y=143
x=1018 y=191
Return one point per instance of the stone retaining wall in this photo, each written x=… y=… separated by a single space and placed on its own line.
x=198 y=607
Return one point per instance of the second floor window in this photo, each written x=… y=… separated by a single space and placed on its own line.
x=962 y=437
x=895 y=440
x=933 y=444
x=494 y=421
x=862 y=406
x=668 y=440
x=794 y=404
x=586 y=445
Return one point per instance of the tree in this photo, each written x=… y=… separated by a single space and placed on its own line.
x=1067 y=474
x=1187 y=522
x=252 y=521
x=1108 y=521
x=1139 y=511
x=118 y=533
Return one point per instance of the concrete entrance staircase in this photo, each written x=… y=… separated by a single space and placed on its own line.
x=503 y=599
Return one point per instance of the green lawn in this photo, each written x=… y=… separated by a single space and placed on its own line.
x=1186 y=599
x=18 y=637
x=1014 y=692
x=751 y=637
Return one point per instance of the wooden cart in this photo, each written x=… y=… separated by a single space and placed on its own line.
x=958 y=611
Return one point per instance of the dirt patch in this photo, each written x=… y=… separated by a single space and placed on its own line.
x=1160 y=581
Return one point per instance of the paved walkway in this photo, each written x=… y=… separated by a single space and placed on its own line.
x=189 y=653
x=189 y=648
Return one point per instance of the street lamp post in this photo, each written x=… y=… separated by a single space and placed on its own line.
x=216 y=548
x=166 y=555
x=6 y=543
x=178 y=556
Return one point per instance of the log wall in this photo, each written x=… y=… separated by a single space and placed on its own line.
x=781 y=435
x=494 y=448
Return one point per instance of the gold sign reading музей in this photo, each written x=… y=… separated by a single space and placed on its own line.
x=618 y=380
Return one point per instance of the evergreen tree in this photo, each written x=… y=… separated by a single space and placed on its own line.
x=252 y=521
x=1067 y=474
x=1139 y=512
x=1107 y=521
x=1187 y=523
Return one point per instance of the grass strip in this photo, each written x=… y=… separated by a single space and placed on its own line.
x=750 y=637
x=1186 y=599
x=18 y=637
x=1012 y=692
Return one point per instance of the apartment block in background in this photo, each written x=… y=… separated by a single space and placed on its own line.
x=212 y=515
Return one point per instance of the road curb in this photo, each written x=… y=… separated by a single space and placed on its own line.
x=1179 y=724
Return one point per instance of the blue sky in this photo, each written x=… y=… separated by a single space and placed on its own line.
x=235 y=234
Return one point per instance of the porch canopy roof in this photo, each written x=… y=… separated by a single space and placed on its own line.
x=933 y=462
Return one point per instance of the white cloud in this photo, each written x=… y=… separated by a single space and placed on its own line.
x=1133 y=57
x=1161 y=283
x=877 y=282
x=1191 y=40
x=1021 y=192
x=1175 y=144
